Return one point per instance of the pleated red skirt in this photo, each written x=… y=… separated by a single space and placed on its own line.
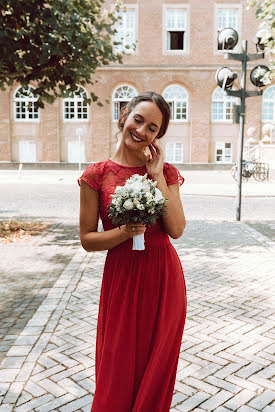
x=141 y=318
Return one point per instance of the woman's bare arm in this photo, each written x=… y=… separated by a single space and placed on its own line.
x=174 y=221
x=92 y=240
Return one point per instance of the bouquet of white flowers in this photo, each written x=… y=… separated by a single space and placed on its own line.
x=138 y=201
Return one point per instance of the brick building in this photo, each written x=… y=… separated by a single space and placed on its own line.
x=177 y=56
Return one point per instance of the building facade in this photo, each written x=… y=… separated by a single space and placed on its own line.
x=176 y=55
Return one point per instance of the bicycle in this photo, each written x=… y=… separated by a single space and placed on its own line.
x=259 y=170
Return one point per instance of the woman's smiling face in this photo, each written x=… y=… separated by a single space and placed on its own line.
x=142 y=125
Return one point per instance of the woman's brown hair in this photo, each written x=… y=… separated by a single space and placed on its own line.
x=147 y=97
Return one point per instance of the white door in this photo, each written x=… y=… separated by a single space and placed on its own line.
x=174 y=152
x=223 y=153
x=75 y=152
x=27 y=152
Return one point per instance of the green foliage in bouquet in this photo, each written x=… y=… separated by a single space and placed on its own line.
x=138 y=201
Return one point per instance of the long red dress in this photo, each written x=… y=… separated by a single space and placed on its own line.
x=142 y=309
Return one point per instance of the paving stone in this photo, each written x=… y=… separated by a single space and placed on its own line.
x=263 y=400
x=13 y=362
x=200 y=385
x=8 y=375
x=223 y=384
x=4 y=388
x=240 y=399
x=34 y=389
x=79 y=403
x=13 y=393
x=72 y=387
x=246 y=409
x=269 y=409
x=193 y=401
x=6 y=408
x=35 y=403
x=56 y=403
x=219 y=399
x=19 y=350
x=178 y=397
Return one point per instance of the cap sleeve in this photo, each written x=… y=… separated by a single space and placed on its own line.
x=92 y=176
x=172 y=175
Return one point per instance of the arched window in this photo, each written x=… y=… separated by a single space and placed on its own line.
x=222 y=106
x=177 y=98
x=121 y=96
x=74 y=107
x=268 y=110
x=24 y=108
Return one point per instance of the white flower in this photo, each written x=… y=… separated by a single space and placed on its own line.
x=158 y=196
x=135 y=201
x=152 y=210
x=149 y=196
x=140 y=207
x=128 y=205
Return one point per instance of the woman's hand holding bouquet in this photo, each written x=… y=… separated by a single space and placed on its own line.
x=137 y=203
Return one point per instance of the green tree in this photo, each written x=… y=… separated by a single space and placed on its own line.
x=58 y=44
x=265 y=11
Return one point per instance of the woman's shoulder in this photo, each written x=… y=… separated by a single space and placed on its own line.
x=96 y=167
x=172 y=174
x=93 y=174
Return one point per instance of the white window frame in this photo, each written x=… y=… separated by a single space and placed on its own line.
x=121 y=48
x=22 y=158
x=125 y=98
x=227 y=99
x=221 y=146
x=269 y=100
x=186 y=49
x=24 y=100
x=74 y=101
x=176 y=103
x=76 y=151
x=226 y=6
x=174 y=148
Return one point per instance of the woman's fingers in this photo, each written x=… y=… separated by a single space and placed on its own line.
x=153 y=153
x=134 y=229
x=156 y=146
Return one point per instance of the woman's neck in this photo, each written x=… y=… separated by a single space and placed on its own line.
x=125 y=157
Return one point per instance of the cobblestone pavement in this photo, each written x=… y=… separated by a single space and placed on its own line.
x=227 y=353
x=28 y=269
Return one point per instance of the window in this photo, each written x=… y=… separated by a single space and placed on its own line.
x=27 y=151
x=75 y=152
x=175 y=29
x=222 y=106
x=74 y=107
x=227 y=17
x=24 y=108
x=121 y=96
x=126 y=30
x=268 y=108
x=177 y=99
x=174 y=152
x=223 y=153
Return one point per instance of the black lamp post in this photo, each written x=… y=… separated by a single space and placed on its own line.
x=227 y=40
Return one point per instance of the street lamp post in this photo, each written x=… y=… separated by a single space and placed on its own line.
x=79 y=133
x=227 y=39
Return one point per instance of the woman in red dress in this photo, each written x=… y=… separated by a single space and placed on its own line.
x=142 y=306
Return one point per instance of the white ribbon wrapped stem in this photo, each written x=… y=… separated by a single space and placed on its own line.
x=138 y=242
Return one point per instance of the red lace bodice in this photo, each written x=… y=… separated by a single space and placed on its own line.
x=106 y=176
